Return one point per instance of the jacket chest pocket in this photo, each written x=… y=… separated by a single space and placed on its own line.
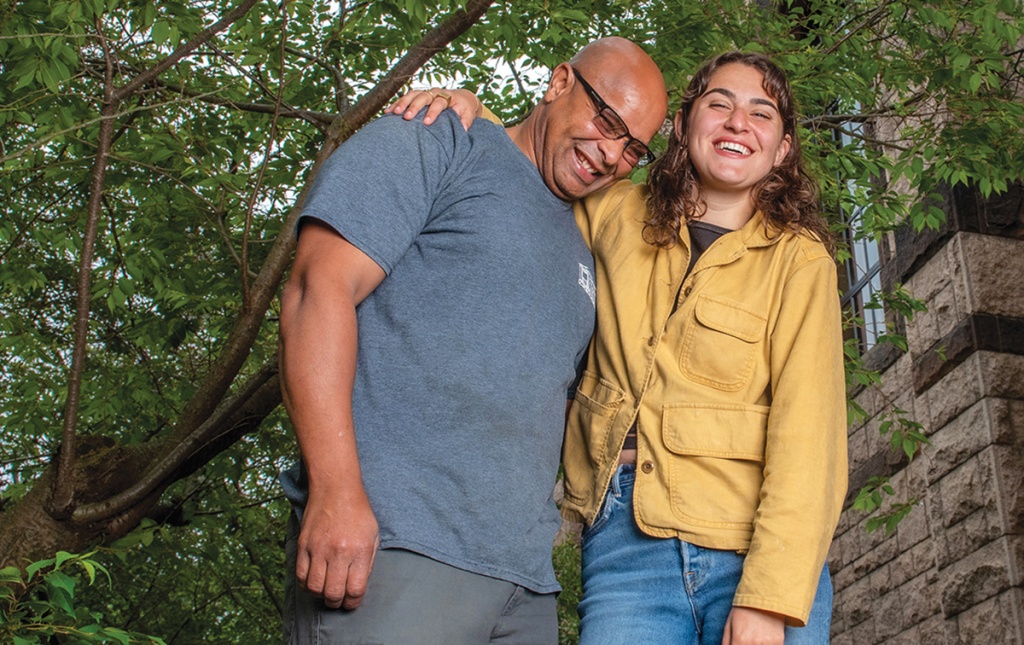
x=720 y=344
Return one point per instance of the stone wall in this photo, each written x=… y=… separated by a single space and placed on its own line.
x=953 y=571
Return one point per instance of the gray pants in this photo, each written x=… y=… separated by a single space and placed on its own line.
x=413 y=600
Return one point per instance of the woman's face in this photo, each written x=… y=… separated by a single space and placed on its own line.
x=735 y=134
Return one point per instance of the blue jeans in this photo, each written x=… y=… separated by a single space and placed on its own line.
x=641 y=589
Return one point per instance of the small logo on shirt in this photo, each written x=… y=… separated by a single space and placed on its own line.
x=587 y=282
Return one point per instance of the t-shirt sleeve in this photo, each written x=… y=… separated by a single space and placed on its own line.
x=377 y=189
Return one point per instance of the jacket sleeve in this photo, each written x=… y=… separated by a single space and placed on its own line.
x=593 y=211
x=805 y=470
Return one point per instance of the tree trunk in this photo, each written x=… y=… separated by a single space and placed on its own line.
x=107 y=487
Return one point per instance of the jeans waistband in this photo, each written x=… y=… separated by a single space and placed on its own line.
x=624 y=475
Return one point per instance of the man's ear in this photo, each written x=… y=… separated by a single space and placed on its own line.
x=561 y=83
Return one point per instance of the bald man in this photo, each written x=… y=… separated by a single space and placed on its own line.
x=440 y=302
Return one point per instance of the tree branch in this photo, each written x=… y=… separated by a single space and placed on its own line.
x=237 y=415
x=61 y=502
x=210 y=423
x=271 y=140
x=264 y=288
x=201 y=38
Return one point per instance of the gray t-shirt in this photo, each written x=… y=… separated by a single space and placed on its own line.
x=468 y=346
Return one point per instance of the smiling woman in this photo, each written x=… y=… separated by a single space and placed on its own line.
x=724 y=403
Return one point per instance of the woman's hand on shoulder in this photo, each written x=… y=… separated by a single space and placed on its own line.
x=747 y=626
x=464 y=102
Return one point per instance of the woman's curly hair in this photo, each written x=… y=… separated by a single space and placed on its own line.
x=788 y=196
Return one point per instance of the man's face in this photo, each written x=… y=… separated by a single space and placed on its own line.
x=578 y=153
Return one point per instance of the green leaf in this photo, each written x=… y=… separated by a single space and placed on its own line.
x=34 y=568
x=10 y=574
x=62 y=557
x=119 y=635
x=60 y=580
x=161 y=32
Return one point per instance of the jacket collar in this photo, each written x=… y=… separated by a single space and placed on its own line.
x=730 y=247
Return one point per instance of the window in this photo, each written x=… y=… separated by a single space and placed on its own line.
x=863 y=281
x=861 y=277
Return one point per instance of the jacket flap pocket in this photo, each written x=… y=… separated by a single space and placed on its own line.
x=730 y=318
x=728 y=431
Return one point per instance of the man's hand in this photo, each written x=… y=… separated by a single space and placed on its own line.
x=466 y=105
x=337 y=546
x=746 y=626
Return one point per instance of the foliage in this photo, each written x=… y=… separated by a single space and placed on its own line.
x=39 y=604
x=566 y=558
x=878 y=498
x=208 y=156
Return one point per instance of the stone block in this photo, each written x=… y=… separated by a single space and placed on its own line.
x=843 y=578
x=858 y=449
x=841 y=637
x=858 y=602
x=937 y=630
x=844 y=524
x=929 y=326
x=975 y=578
x=993 y=266
x=919 y=600
x=914 y=528
x=952 y=394
x=838 y=624
x=908 y=637
x=968 y=535
x=1009 y=473
x=964 y=436
x=995 y=620
x=1002 y=374
x=967 y=488
x=888 y=621
x=870 y=401
x=1007 y=420
x=876 y=557
x=846 y=547
x=880 y=581
x=922 y=330
x=864 y=633
x=931 y=278
x=1015 y=546
x=913 y=563
x=895 y=380
x=947 y=312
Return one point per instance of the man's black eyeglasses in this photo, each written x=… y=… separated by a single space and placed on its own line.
x=612 y=126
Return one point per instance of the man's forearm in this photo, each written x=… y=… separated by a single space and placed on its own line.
x=317 y=376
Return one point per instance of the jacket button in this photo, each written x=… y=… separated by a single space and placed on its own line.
x=647 y=466
x=686 y=291
x=651 y=341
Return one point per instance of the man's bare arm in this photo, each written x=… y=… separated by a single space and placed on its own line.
x=319 y=340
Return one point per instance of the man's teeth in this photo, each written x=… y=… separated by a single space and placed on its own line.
x=586 y=165
x=733 y=147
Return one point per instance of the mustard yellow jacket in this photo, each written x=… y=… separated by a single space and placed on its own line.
x=735 y=380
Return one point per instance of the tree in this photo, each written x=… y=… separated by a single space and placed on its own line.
x=152 y=157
